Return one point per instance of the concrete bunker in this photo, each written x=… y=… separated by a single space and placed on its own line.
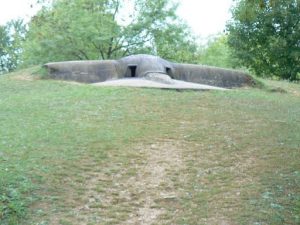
x=140 y=66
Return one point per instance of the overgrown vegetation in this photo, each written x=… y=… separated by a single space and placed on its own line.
x=102 y=29
x=73 y=154
x=217 y=53
x=11 y=43
x=265 y=34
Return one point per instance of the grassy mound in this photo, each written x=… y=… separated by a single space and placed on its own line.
x=79 y=154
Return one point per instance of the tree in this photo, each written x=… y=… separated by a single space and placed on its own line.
x=96 y=29
x=217 y=52
x=265 y=34
x=11 y=39
x=176 y=43
x=4 y=43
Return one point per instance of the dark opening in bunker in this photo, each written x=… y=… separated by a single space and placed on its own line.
x=169 y=72
x=132 y=70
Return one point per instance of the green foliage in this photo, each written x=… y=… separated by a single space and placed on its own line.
x=217 y=53
x=13 y=199
x=176 y=43
x=11 y=39
x=264 y=36
x=4 y=42
x=98 y=29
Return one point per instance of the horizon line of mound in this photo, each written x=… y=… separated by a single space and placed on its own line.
x=139 y=66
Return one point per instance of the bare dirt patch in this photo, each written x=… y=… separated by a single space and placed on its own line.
x=154 y=182
x=25 y=77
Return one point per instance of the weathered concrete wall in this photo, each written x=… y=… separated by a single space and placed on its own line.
x=84 y=71
x=211 y=75
x=140 y=66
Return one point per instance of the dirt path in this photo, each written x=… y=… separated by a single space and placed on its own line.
x=154 y=181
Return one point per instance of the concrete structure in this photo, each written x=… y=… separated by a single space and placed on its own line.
x=146 y=66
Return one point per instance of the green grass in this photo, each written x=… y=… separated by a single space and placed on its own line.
x=62 y=143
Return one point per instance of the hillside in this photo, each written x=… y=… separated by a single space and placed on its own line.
x=81 y=154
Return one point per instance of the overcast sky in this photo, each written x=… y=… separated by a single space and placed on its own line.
x=205 y=17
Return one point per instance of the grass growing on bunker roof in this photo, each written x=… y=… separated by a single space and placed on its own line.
x=78 y=154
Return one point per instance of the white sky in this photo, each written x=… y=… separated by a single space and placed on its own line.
x=13 y=9
x=205 y=17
